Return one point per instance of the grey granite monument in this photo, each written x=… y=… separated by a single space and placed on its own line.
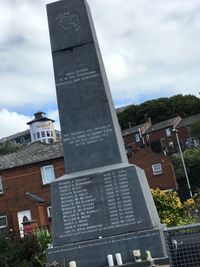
x=102 y=205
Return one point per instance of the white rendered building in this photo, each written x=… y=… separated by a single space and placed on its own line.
x=42 y=128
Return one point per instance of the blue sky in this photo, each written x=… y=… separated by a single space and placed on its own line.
x=151 y=49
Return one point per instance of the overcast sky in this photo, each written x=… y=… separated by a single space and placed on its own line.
x=151 y=49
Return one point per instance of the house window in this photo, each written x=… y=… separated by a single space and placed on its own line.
x=3 y=221
x=171 y=144
x=1 y=186
x=137 y=137
x=168 y=132
x=196 y=142
x=192 y=142
x=48 y=175
x=38 y=135
x=22 y=139
x=157 y=169
x=49 y=211
x=43 y=134
x=48 y=134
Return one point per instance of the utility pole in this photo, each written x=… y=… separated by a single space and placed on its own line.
x=183 y=162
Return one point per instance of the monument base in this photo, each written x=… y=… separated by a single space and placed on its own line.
x=104 y=211
x=94 y=252
x=108 y=201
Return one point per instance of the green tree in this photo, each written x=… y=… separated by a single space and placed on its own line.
x=184 y=106
x=192 y=162
x=128 y=118
x=9 y=147
x=159 y=109
x=195 y=129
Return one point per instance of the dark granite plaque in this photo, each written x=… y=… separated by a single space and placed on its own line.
x=94 y=252
x=89 y=126
x=68 y=24
x=102 y=204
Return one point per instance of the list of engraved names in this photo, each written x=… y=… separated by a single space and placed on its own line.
x=119 y=198
x=80 y=204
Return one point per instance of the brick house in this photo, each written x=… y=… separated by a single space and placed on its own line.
x=183 y=127
x=149 y=152
x=133 y=136
x=24 y=185
x=152 y=146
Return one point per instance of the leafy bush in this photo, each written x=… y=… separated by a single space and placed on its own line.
x=44 y=239
x=172 y=211
x=29 y=251
x=18 y=252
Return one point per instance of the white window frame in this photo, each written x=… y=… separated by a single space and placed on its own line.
x=49 y=140
x=157 y=169
x=49 y=211
x=45 y=179
x=168 y=132
x=1 y=186
x=137 y=137
x=5 y=217
x=171 y=144
x=43 y=134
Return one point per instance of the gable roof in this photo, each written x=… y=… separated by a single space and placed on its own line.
x=13 y=136
x=163 y=124
x=39 y=116
x=136 y=128
x=188 y=121
x=32 y=153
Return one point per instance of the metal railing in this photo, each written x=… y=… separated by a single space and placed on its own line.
x=183 y=245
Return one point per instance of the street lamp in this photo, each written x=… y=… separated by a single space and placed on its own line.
x=183 y=162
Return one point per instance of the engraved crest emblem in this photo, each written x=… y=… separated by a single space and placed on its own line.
x=68 y=21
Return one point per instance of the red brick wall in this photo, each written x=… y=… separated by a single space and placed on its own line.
x=18 y=181
x=157 y=135
x=145 y=158
x=129 y=139
x=183 y=135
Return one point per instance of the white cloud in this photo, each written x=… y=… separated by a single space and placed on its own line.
x=156 y=41
x=12 y=122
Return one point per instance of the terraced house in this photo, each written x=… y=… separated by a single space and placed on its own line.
x=25 y=178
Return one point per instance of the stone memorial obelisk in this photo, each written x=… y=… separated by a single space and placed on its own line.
x=102 y=205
